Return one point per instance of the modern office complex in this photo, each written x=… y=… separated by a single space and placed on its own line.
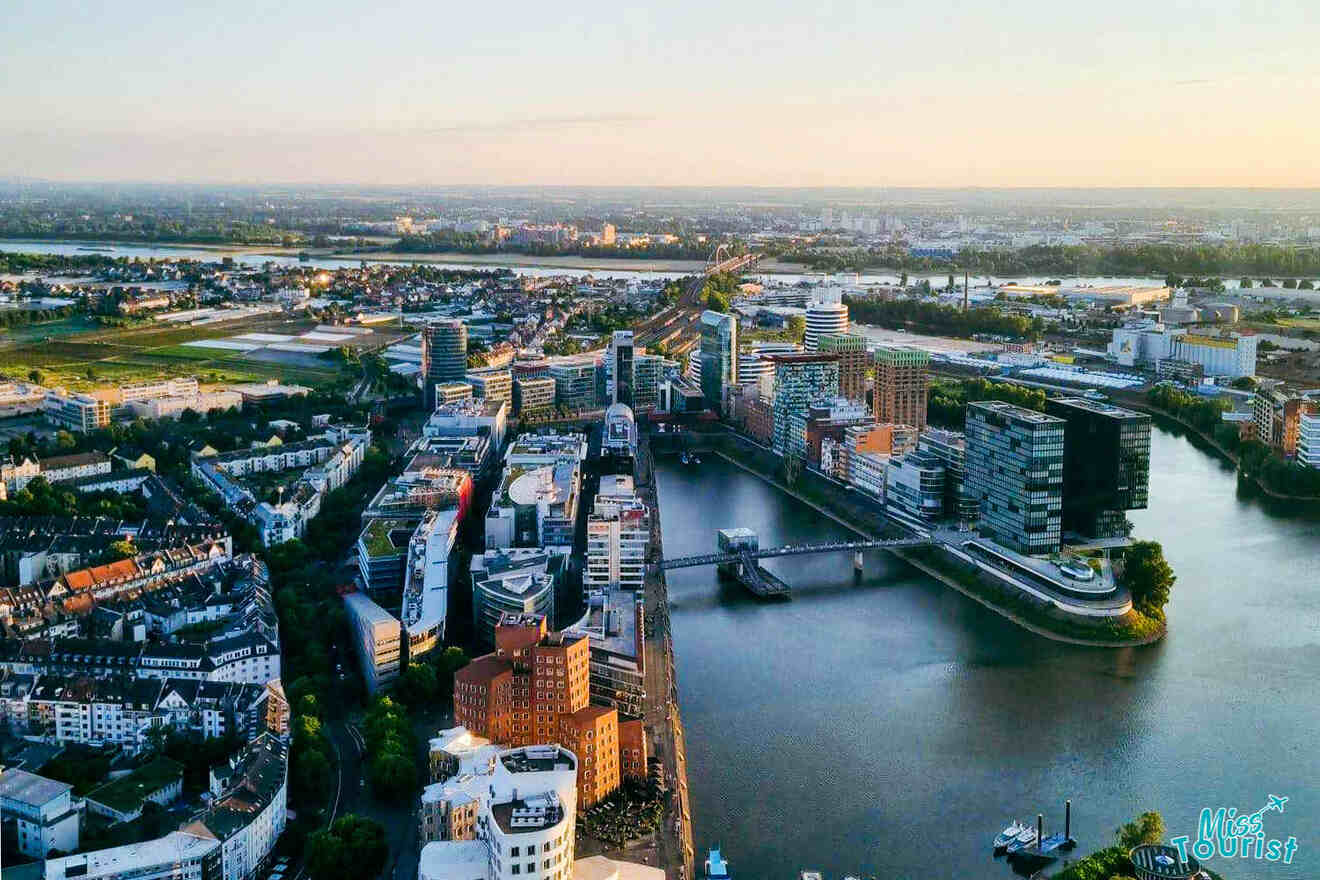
x=535 y=504
x=950 y=447
x=1015 y=473
x=851 y=351
x=77 y=412
x=719 y=356
x=517 y=580
x=619 y=368
x=902 y=376
x=377 y=639
x=575 y=383
x=799 y=380
x=444 y=357
x=1106 y=465
x=914 y=486
x=491 y=384
x=826 y=314
x=533 y=394
x=647 y=372
x=615 y=624
x=425 y=605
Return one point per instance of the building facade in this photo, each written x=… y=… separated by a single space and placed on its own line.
x=718 y=356
x=1015 y=474
x=1106 y=465
x=902 y=377
x=444 y=357
x=799 y=380
x=851 y=351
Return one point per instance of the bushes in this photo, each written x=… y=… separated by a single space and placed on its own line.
x=311 y=768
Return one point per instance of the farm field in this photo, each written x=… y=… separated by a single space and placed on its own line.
x=79 y=354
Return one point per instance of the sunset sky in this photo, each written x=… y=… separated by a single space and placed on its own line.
x=980 y=92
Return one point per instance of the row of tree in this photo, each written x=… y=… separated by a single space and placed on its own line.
x=946 y=404
x=931 y=317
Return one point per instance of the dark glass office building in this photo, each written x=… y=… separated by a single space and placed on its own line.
x=1106 y=465
x=444 y=357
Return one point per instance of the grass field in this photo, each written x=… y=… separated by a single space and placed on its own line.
x=78 y=354
x=1301 y=323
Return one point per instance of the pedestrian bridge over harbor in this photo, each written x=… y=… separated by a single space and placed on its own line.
x=740 y=551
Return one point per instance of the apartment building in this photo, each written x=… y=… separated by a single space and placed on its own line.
x=618 y=535
x=1015 y=463
x=377 y=640
x=902 y=380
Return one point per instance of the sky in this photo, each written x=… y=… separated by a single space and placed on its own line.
x=731 y=92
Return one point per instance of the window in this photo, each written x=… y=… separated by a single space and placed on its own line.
x=517 y=869
x=514 y=852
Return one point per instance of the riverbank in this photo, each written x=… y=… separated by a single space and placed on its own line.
x=674 y=847
x=1137 y=402
x=1048 y=621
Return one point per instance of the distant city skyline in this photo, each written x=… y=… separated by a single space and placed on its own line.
x=849 y=94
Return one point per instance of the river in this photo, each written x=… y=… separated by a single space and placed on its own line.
x=251 y=257
x=891 y=728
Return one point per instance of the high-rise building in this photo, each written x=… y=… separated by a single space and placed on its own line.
x=1015 y=473
x=619 y=368
x=851 y=349
x=444 y=357
x=719 y=356
x=618 y=533
x=799 y=380
x=902 y=376
x=1106 y=465
x=647 y=369
x=826 y=314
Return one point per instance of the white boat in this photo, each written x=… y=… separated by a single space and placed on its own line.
x=1009 y=834
x=1022 y=841
x=684 y=458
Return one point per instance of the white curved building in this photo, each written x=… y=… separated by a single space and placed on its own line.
x=620 y=437
x=826 y=314
x=752 y=364
x=507 y=815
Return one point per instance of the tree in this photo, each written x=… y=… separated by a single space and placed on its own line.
x=1246 y=284
x=37 y=376
x=418 y=685
x=120 y=550
x=797 y=328
x=717 y=301
x=65 y=441
x=354 y=846
x=1148 y=577
x=1146 y=829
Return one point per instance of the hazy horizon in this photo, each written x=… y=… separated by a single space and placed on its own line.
x=1032 y=94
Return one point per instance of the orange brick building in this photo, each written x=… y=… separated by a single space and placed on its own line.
x=535 y=689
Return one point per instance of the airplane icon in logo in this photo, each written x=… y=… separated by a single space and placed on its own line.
x=1276 y=803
